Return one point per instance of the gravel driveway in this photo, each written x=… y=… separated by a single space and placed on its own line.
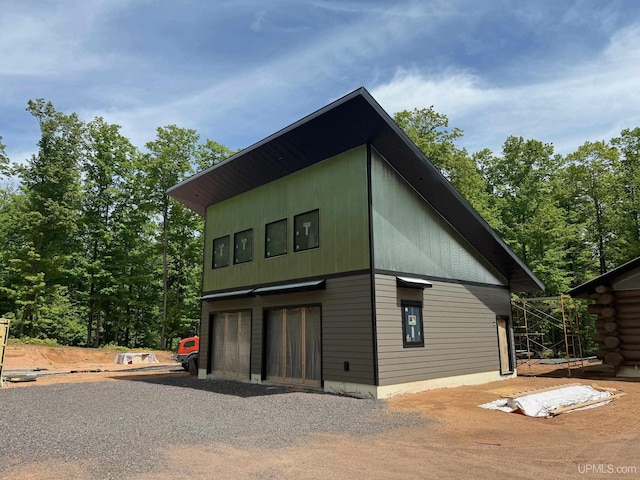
x=115 y=427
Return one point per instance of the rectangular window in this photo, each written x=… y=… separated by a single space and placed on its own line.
x=275 y=242
x=306 y=228
x=243 y=246
x=220 y=252
x=412 y=335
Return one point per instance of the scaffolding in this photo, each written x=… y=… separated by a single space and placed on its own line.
x=547 y=328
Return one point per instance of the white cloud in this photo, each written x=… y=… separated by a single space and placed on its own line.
x=54 y=44
x=45 y=39
x=258 y=21
x=385 y=11
x=451 y=92
x=235 y=98
x=592 y=100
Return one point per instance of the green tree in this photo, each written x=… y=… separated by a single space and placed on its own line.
x=211 y=152
x=106 y=167
x=170 y=160
x=522 y=180
x=628 y=144
x=47 y=220
x=591 y=182
x=135 y=264
x=4 y=160
x=430 y=131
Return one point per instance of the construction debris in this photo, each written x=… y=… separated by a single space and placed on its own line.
x=130 y=358
x=551 y=401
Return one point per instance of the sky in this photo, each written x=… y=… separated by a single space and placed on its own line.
x=562 y=72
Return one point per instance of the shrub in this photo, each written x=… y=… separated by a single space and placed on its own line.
x=113 y=346
x=44 y=342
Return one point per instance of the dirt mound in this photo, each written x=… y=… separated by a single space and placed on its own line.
x=62 y=358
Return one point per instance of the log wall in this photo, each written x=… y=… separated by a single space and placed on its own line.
x=617 y=325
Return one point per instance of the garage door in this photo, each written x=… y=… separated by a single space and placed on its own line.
x=231 y=344
x=293 y=353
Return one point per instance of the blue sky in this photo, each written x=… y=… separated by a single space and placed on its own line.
x=563 y=72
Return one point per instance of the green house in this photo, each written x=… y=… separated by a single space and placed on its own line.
x=338 y=257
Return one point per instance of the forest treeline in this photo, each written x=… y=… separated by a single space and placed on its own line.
x=93 y=252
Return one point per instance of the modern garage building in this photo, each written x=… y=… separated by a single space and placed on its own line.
x=337 y=256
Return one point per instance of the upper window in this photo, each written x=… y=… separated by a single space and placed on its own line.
x=306 y=233
x=412 y=335
x=220 y=252
x=243 y=246
x=275 y=242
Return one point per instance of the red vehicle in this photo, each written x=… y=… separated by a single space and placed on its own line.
x=188 y=349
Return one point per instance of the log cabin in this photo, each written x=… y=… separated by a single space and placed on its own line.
x=616 y=297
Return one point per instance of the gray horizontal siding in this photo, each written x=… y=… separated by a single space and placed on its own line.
x=459 y=330
x=347 y=329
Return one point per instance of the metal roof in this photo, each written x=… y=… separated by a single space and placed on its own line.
x=583 y=291
x=411 y=282
x=350 y=121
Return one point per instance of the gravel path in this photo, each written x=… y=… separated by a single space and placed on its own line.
x=115 y=427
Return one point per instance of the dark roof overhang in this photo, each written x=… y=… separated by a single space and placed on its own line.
x=411 y=282
x=291 y=287
x=227 y=295
x=353 y=120
x=606 y=279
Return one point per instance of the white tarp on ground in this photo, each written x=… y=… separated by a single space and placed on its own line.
x=541 y=404
x=131 y=358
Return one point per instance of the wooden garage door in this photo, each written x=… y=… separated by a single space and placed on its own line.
x=231 y=344
x=293 y=353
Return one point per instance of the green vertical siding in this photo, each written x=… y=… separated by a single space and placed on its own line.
x=411 y=237
x=336 y=186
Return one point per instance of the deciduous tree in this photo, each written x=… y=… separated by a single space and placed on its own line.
x=522 y=180
x=170 y=160
x=47 y=220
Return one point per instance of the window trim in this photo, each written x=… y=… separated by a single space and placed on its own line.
x=420 y=321
x=235 y=259
x=286 y=238
x=295 y=249
x=213 y=252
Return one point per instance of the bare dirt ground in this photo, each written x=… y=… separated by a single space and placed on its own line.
x=82 y=361
x=460 y=440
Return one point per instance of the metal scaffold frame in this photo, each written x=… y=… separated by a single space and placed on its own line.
x=538 y=316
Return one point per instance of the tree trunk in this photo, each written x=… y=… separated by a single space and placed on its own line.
x=601 y=252
x=165 y=234
x=96 y=342
x=92 y=298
